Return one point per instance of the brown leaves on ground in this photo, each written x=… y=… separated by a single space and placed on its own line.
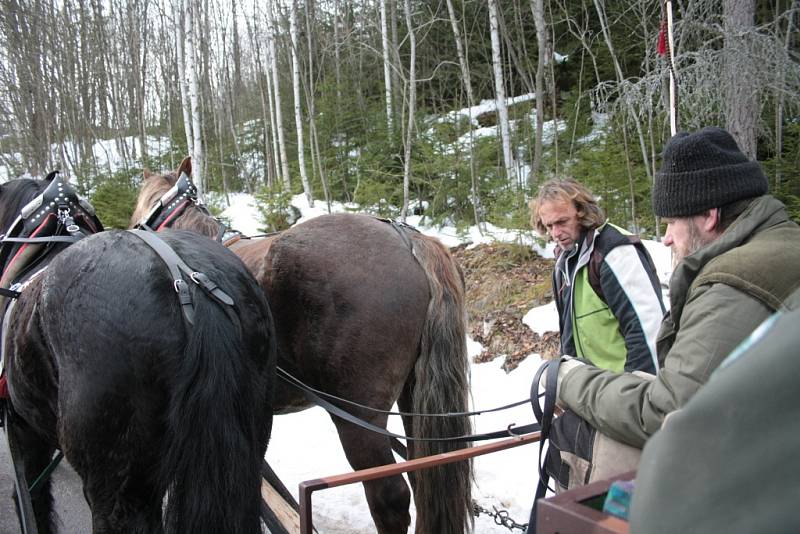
x=504 y=281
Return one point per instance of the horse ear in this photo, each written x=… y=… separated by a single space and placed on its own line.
x=147 y=174
x=186 y=166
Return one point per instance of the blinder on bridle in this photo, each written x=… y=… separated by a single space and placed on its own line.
x=173 y=204
x=58 y=214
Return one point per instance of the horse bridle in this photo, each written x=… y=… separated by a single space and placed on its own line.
x=174 y=203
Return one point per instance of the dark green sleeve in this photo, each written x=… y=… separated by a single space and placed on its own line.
x=630 y=408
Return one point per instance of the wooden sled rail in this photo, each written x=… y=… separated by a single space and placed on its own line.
x=308 y=487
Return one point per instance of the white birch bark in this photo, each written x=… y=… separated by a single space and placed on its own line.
x=387 y=72
x=276 y=153
x=537 y=7
x=192 y=37
x=466 y=80
x=180 y=37
x=500 y=93
x=298 y=115
x=412 y=97
x=276 y=93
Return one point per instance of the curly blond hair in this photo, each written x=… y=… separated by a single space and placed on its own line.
x=590 y=214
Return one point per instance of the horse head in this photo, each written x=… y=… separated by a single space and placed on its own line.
x=170 y=200
x=37 y=216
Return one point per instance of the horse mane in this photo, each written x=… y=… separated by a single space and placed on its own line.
x=154 y=187
x=15 y=195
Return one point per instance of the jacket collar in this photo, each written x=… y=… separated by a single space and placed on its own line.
x=762 y=213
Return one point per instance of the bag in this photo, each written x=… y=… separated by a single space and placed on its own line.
x=578 y=454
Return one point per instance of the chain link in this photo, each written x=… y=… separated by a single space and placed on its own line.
x=500 y=517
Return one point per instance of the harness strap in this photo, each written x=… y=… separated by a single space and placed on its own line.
x=545 y=418
x=335 y=410
x=399 y=227
x=287 y=377
x=50 y=239
x=176 y=266
x=27 y=518
x=10 y=293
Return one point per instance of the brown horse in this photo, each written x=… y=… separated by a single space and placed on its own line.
x=373 y=313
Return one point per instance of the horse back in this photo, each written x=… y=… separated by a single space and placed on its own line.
x=349 y=301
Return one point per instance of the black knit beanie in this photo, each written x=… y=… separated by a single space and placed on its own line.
x=704 y=170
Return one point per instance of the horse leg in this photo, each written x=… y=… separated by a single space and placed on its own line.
x=118 y=467
x=388 y=498
x=119 y=501
x=34 y=453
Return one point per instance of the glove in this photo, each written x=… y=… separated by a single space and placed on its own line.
x=568 y=363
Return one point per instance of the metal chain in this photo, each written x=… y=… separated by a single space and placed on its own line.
x=500 y=517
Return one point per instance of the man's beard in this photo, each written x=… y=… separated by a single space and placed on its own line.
x=696 y=242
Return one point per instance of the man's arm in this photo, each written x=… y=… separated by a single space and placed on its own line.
x=630 y=408
x=634 y=297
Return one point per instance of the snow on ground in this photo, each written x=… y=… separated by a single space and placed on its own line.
x=305 y=445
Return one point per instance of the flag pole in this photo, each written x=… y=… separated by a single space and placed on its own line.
x=673 y=85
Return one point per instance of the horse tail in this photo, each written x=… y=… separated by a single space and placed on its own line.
x=218 y=421
x=442 y=494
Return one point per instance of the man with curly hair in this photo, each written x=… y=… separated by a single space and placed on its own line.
x=604 y=283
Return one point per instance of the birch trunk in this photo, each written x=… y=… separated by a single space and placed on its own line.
x=298 y=115
x=180 y=40
x=537 y=7
x=412 y=103
x=465 y=79
x=387 y=71
x=192 y=38
x=500 y=92
x=276 y=93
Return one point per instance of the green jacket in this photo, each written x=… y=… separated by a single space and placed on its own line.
x=618 y=330
x=718 y=296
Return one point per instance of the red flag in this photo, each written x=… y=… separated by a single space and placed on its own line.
x=661 y=47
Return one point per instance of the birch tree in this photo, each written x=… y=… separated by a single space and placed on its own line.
x=192 y=38
x=183 y=71
x=500 y=92
x=387 y=73
x=276 y=93
x=537 y=7
x=298 y=117
x=412 y=104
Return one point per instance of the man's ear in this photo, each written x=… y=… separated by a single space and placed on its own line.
x=710 y=220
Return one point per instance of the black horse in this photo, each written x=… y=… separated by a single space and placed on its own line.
x=162 y=417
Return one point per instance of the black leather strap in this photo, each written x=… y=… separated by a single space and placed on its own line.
x=177 y=266
x=51 y=239
x=338 y=412
x=545 y=417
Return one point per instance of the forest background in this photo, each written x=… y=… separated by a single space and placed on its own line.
x=455 y=109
